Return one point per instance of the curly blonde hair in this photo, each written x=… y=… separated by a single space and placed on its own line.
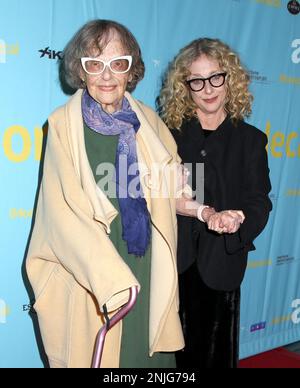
x=175 y=101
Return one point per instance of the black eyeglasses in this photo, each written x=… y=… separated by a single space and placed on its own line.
x=197 y=84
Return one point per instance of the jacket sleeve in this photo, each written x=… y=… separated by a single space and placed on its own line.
x=79 y=243
x=256 y=204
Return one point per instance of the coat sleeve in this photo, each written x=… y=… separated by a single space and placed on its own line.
x=79 y=243
x=256 y=204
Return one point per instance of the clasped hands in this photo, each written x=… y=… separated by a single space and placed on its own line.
x=226 y=221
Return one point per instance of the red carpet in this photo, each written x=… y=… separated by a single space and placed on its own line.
x=277 y=358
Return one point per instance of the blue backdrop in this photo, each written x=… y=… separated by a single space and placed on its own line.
x=267 y=37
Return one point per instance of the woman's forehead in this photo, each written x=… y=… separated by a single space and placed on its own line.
x=111 y=43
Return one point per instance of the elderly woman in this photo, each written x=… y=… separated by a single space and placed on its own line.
x=204 y=100
x=106 y=216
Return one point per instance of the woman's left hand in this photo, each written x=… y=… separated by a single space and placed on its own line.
x=227 y=221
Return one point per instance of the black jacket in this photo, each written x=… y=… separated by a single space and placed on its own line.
x=236 y=177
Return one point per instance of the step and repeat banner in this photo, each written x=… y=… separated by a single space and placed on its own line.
x=266 y=34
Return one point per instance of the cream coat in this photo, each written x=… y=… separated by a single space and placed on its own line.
x=72 y=265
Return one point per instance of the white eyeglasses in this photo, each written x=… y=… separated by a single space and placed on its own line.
x=118 y=65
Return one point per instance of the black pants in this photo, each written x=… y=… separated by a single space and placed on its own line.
x=210 y=322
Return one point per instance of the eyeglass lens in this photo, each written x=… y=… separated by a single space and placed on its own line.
x=215 y=80
x=97 y=66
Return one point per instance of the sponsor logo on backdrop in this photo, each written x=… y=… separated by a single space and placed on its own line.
x=282 y=144
x=286 y=79
x=282 y=319
x=293 y=193
x=296 y=53
x=296 y=313
x=20 y=213
x=28 y=308
x=4 y=311
x=284 y=259
x=259 y=263
x=50 y=54
x=293 y=7
x=271 y=3
x=8 y=49
x=258 y=78
x=258 y=327
x=28 y=144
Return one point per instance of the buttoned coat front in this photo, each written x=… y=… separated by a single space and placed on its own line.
x=72 y=265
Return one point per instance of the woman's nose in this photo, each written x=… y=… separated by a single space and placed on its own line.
x=106 y=75
x=207 y=87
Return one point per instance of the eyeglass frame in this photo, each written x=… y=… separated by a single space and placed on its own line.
x=83 y=60
x=188 y=82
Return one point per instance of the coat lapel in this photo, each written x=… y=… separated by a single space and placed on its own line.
x=103 y=209
x=153 y=156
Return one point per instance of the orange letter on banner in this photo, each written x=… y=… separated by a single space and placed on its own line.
x=7 y=143
x=275 y=144
x=289 y=153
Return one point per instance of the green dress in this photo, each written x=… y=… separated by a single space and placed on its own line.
x=135 y=334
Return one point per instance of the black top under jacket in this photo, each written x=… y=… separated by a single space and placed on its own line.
x=236 y=177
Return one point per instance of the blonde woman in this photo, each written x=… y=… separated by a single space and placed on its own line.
x=204 y=101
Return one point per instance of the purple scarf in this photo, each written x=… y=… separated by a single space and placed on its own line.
x=136 y=230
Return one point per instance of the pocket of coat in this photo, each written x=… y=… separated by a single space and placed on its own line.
x=54 y=310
